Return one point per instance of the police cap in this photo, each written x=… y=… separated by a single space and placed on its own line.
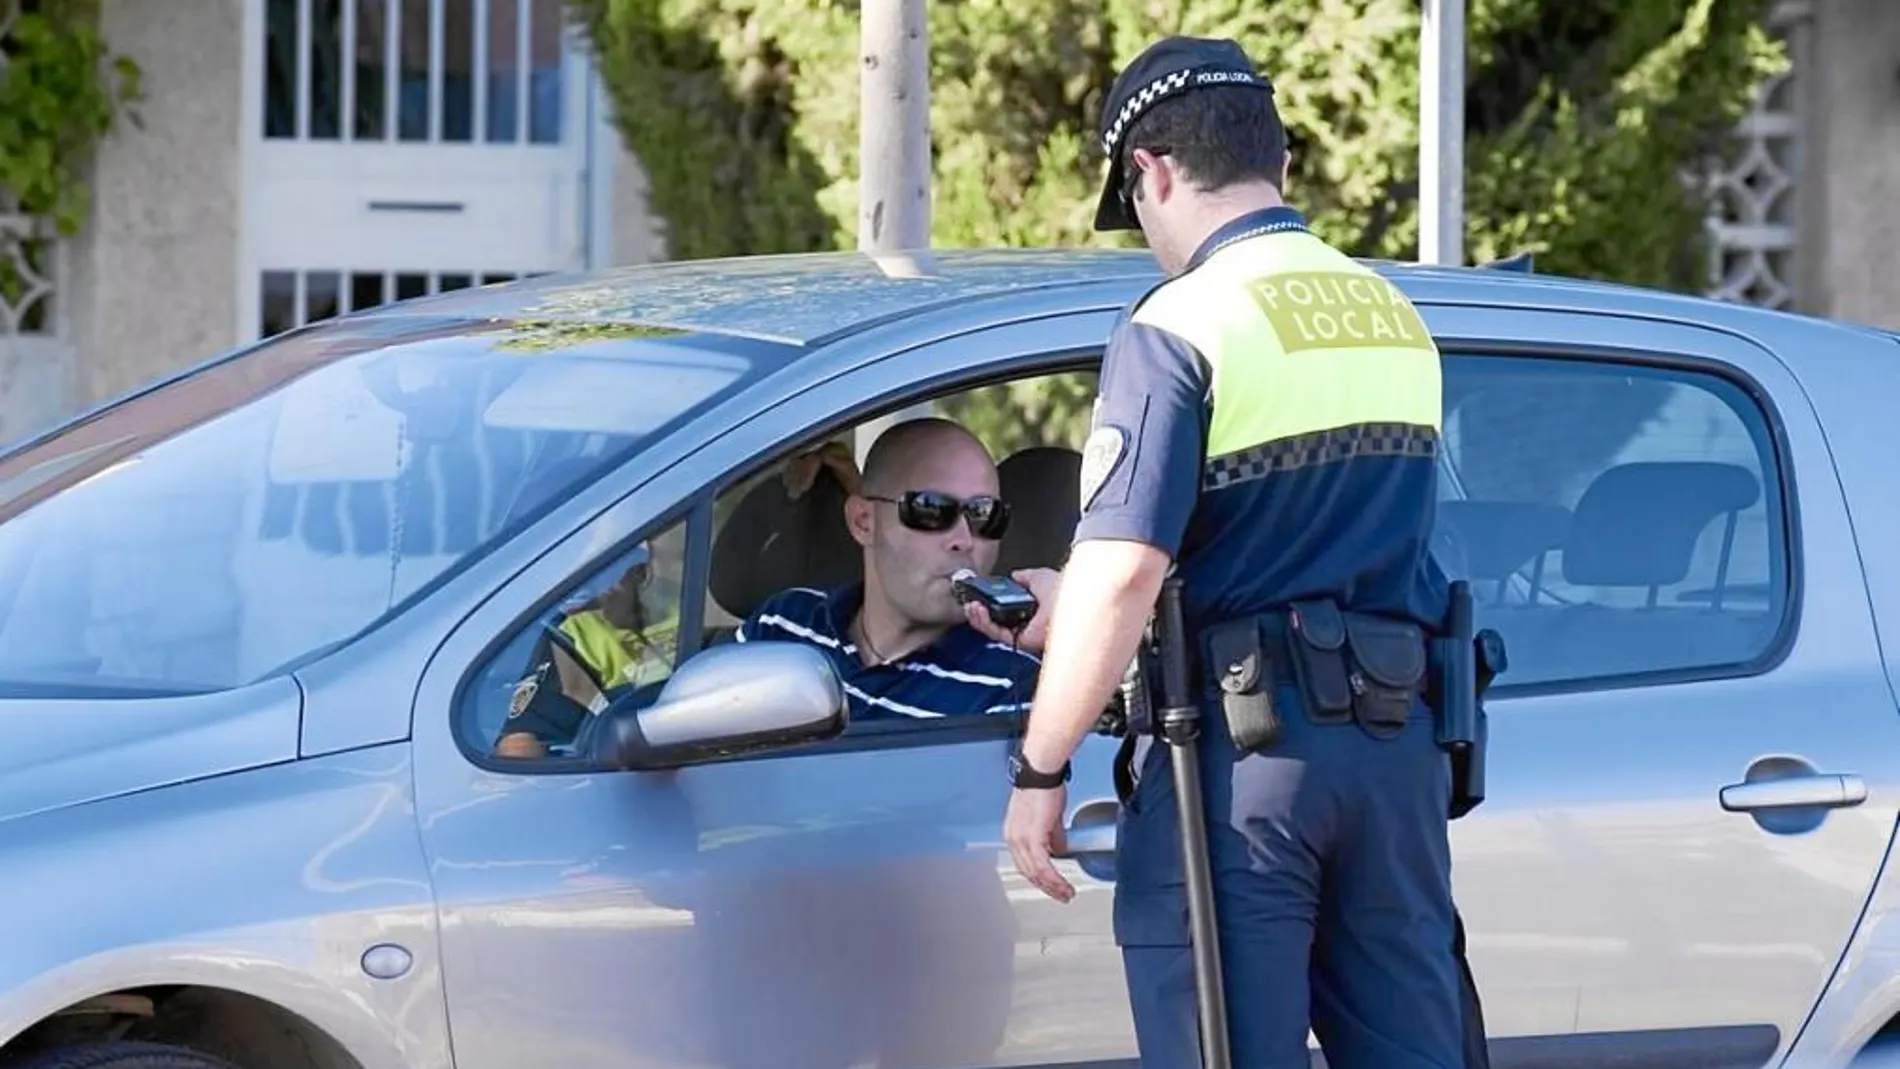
x=1170 y=66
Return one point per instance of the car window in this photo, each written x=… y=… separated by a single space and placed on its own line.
x=226 y=525
x=1613 y=519
x=782 y=526
x=612 y=638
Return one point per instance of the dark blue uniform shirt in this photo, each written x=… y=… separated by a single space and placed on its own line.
x=1358 y=530
x=961 y=674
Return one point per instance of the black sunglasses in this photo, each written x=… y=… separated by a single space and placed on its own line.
x=1131 y=177
x=931 y=511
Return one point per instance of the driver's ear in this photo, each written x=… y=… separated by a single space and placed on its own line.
x=857 y=516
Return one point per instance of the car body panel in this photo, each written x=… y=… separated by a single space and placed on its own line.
x=1849 y=374
x=807 y=299
x=271 y=883
x=67 y=752
x=800 y=905
x=1604 y=888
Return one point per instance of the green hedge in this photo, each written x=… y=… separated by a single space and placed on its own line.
x=1582 y=116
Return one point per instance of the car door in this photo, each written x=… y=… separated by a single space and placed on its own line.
x=818 y=907
x=1693 y=757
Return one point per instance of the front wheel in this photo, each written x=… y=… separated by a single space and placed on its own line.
x=121 y=1056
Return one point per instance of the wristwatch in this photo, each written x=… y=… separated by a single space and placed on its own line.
x=1024 y=775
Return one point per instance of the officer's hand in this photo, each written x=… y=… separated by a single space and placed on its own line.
x=520 y=744
x=1042 y=582
x=1033 y=829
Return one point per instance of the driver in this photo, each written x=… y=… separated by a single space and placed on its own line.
x=925 y=506
x=602 y=647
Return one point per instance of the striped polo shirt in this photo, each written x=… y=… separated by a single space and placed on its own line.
x=962 y=673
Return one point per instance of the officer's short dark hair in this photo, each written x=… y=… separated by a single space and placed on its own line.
x=1219 y=135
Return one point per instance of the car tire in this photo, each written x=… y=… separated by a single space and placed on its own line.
x=122 y=1055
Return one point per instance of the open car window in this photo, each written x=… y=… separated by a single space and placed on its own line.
x=779 y=524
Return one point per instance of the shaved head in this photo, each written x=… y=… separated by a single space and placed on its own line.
x=907 y=571
x=893 y=457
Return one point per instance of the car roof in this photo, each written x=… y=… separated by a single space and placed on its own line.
x=806 y=299
x=812 y=299
x=798 y=303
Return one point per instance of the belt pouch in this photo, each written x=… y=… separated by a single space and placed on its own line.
x=1124 y=771
x=1139 y=682
x=1389 y=661
x=1316 y=643
x=1235 y=652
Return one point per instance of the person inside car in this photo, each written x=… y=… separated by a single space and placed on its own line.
x=926 y=505
x=602 y=647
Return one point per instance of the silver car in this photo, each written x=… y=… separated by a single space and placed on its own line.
x=263 y=627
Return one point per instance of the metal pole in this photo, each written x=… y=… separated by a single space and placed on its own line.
x=1441 y=133
x=1180 y=730
x=894 y=126
x=893 y=149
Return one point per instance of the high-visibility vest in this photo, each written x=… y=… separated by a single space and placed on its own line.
x=618 y=656
x=1309 y=350
x=1312 y=357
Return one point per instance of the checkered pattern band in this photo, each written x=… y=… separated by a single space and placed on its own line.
x=1255 y=232
x=1320 y=447
x=1168 y=85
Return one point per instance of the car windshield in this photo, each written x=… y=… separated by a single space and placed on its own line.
x=228 y=523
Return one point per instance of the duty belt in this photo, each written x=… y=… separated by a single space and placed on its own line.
x=1346 y=666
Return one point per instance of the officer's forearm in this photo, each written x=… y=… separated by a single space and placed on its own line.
x=1108 y=591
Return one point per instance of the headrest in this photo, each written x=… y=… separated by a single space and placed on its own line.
x=772 y=541
x=1638 y=524
x=1041 y=484
x=1499 y=537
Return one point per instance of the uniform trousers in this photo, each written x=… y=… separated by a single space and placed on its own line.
x=1332 y=892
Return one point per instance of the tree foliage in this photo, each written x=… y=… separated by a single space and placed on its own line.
x=1583 y=119
x=61 y=89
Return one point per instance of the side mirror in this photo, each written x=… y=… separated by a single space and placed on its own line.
x=727 y=700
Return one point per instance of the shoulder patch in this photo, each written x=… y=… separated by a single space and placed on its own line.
x=525 y=690
x=1099 y=456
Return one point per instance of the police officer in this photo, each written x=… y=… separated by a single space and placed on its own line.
x=600 y=649
x=1266 y=430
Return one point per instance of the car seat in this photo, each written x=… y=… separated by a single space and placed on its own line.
x=772 y=541
x=1638 y=525
x=1042 y=485
x=1493 y=539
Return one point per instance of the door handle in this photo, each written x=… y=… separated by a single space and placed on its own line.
x=1091 y=832
x=1823 y=790
x=1083 y=841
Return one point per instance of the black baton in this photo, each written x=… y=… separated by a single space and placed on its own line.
x=1179 y=724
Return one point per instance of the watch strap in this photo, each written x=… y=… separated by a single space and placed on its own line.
x=1026 y=776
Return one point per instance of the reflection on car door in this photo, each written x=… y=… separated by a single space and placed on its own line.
x=793 y=911
x=798 y=909
x=1634 y=879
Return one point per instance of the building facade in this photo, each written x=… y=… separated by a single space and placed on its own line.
x=303 y=158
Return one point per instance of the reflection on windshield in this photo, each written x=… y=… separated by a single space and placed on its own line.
x=232 y=522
